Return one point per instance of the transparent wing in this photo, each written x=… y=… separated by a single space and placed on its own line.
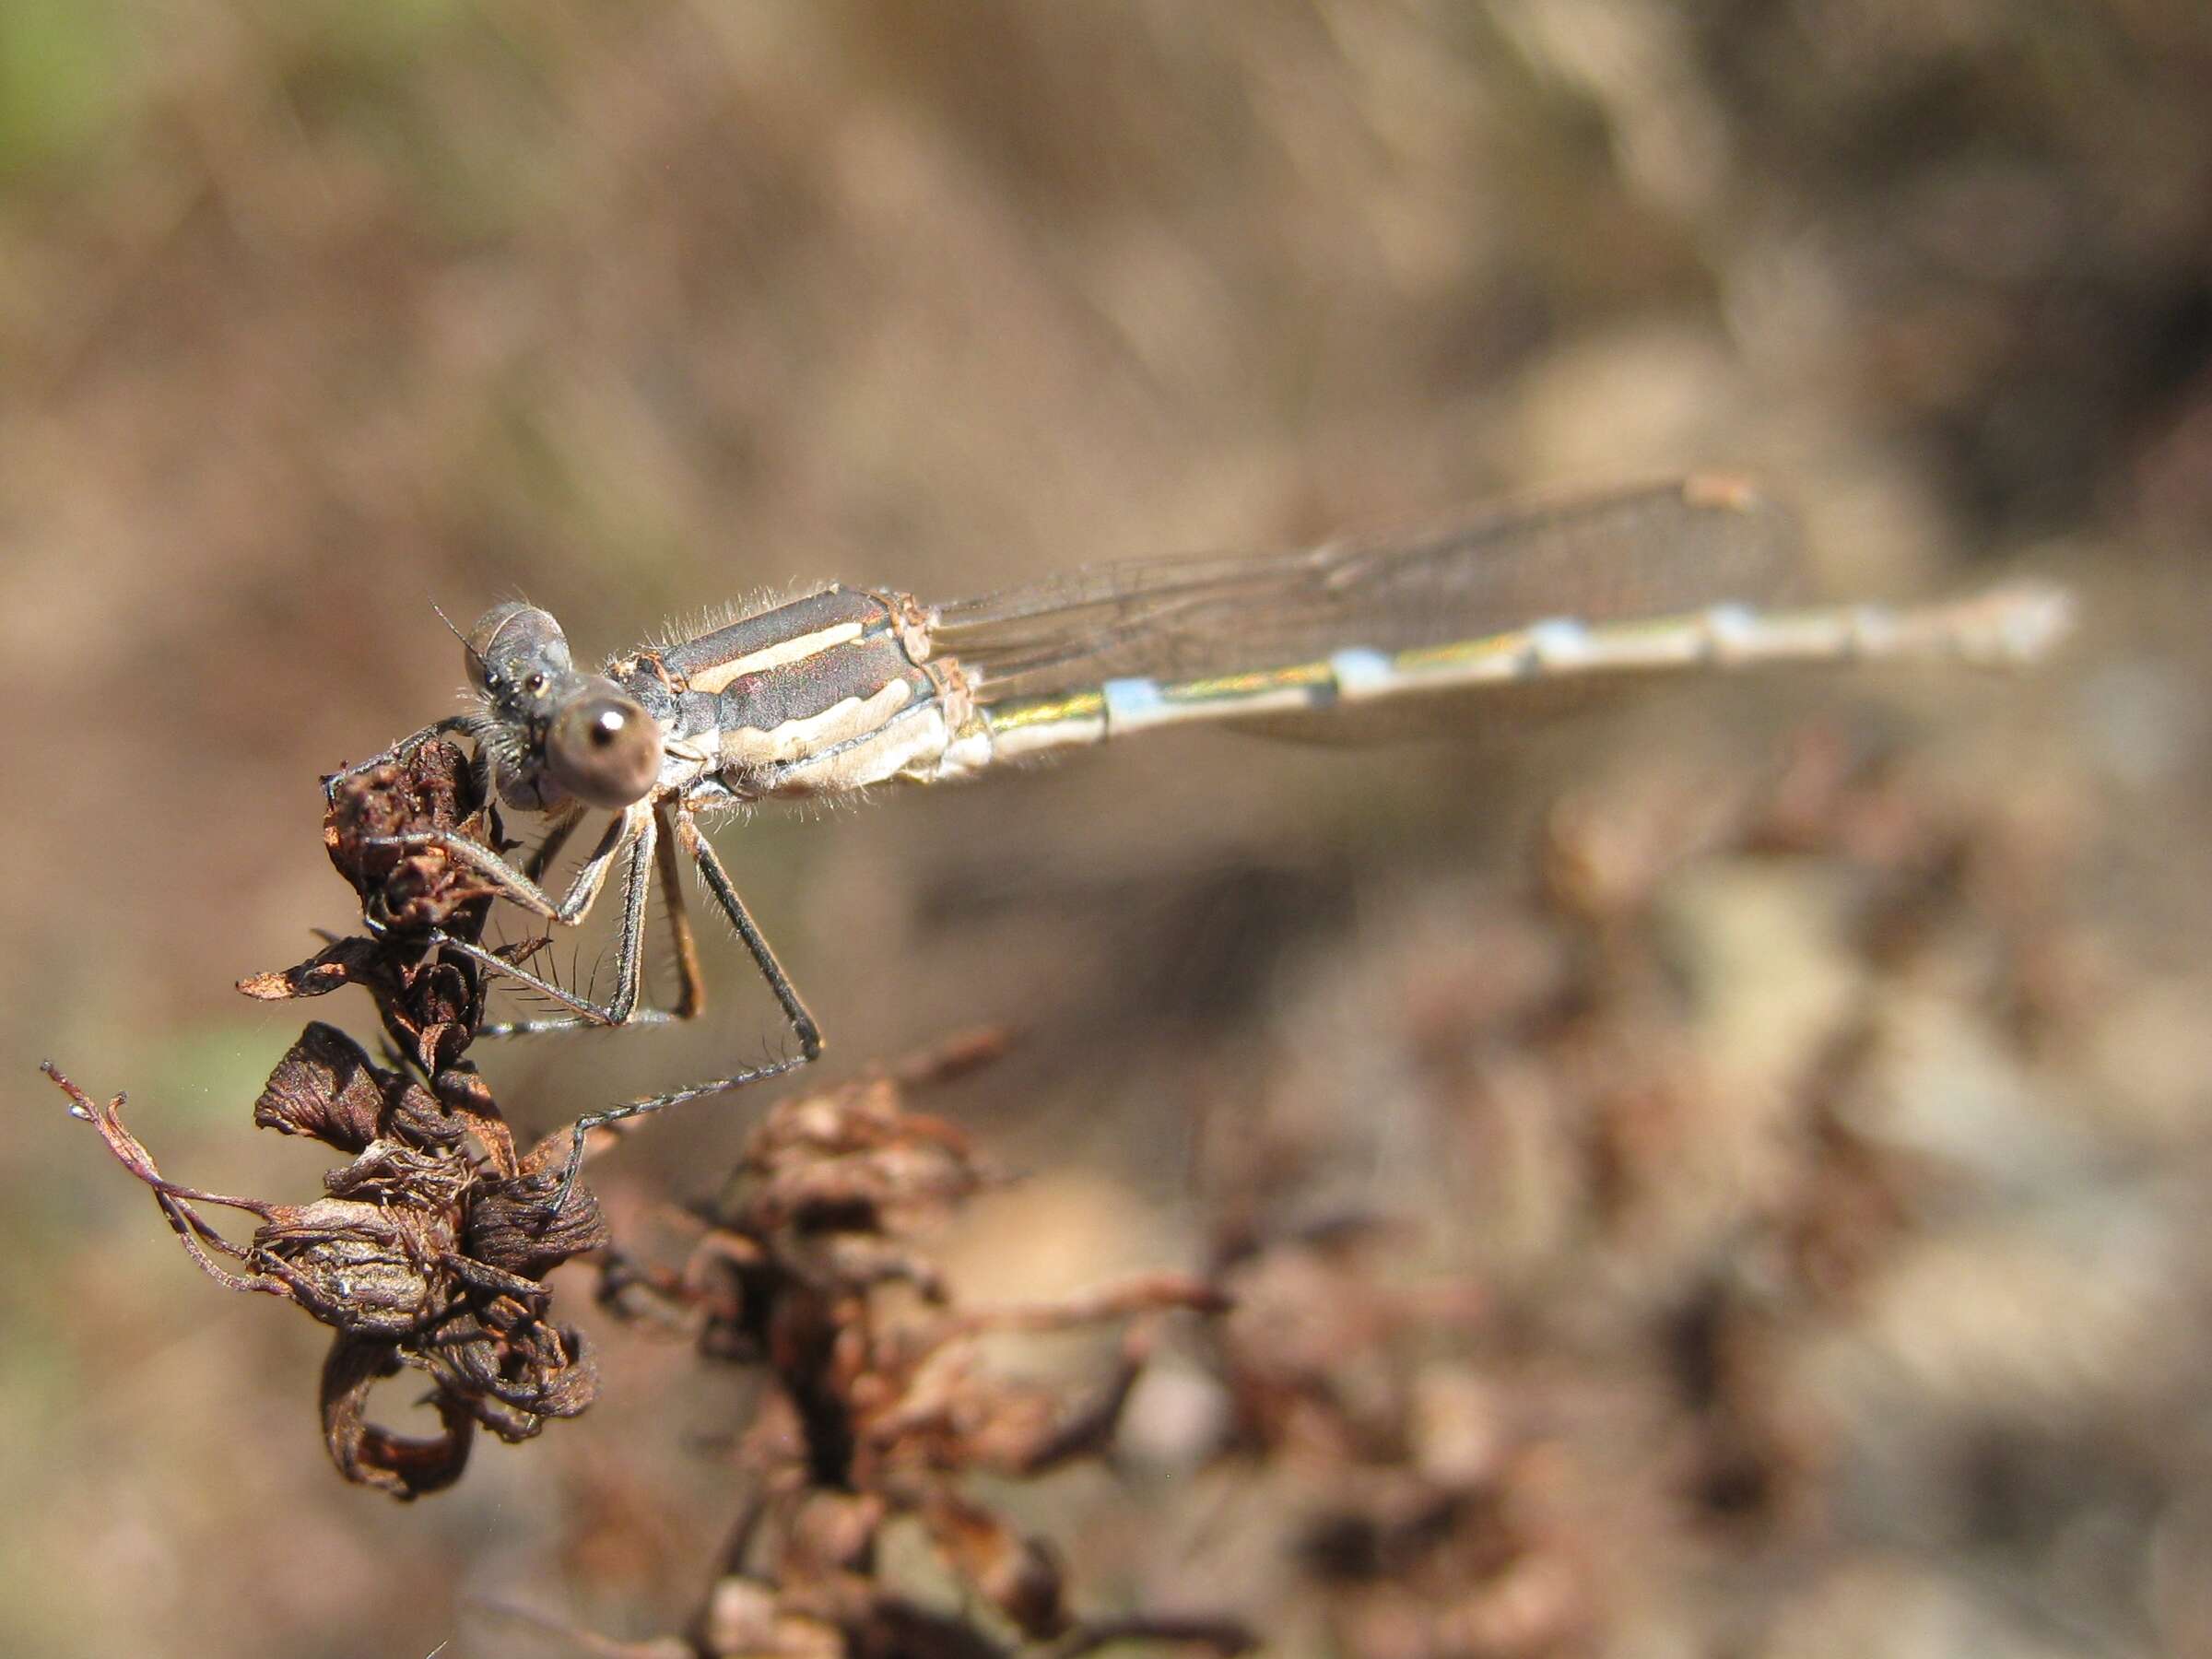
x=1649 y=551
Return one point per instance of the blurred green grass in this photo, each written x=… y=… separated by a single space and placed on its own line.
x=63 y=83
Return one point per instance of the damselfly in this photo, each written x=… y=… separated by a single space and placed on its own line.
x=1496 y=616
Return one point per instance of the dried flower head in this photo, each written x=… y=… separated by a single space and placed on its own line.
x=428 y=1247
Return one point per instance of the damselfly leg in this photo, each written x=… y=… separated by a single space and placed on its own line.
x=660 y=833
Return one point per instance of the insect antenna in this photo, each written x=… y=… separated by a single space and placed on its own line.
x=475 y=656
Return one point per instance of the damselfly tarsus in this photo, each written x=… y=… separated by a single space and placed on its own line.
x=1493 y=616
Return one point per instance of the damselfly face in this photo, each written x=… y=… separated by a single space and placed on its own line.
x=555 y=735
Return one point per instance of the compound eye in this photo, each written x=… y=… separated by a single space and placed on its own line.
x=604 y=749
x=514 y=641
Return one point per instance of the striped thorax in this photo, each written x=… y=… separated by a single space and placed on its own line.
x=824 y=695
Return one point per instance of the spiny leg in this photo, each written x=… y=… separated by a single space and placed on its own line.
x=518 y=888
x=795 y=1011
x=692 y=981
x=540 y=859
x=629 y=965
x=725 y=895
x=691 y=989
x=629 y=953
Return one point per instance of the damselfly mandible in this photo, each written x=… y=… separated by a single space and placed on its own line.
x=1494 y=616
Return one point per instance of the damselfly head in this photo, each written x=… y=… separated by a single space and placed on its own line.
x=556 y=735
x=514 y=643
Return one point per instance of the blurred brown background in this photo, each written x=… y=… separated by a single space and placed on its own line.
x=313 y=315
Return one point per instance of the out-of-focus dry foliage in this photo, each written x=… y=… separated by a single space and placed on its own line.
x=871 y=1420
x=1676 y=1190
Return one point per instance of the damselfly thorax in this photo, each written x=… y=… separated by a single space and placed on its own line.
x=1492 y=616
